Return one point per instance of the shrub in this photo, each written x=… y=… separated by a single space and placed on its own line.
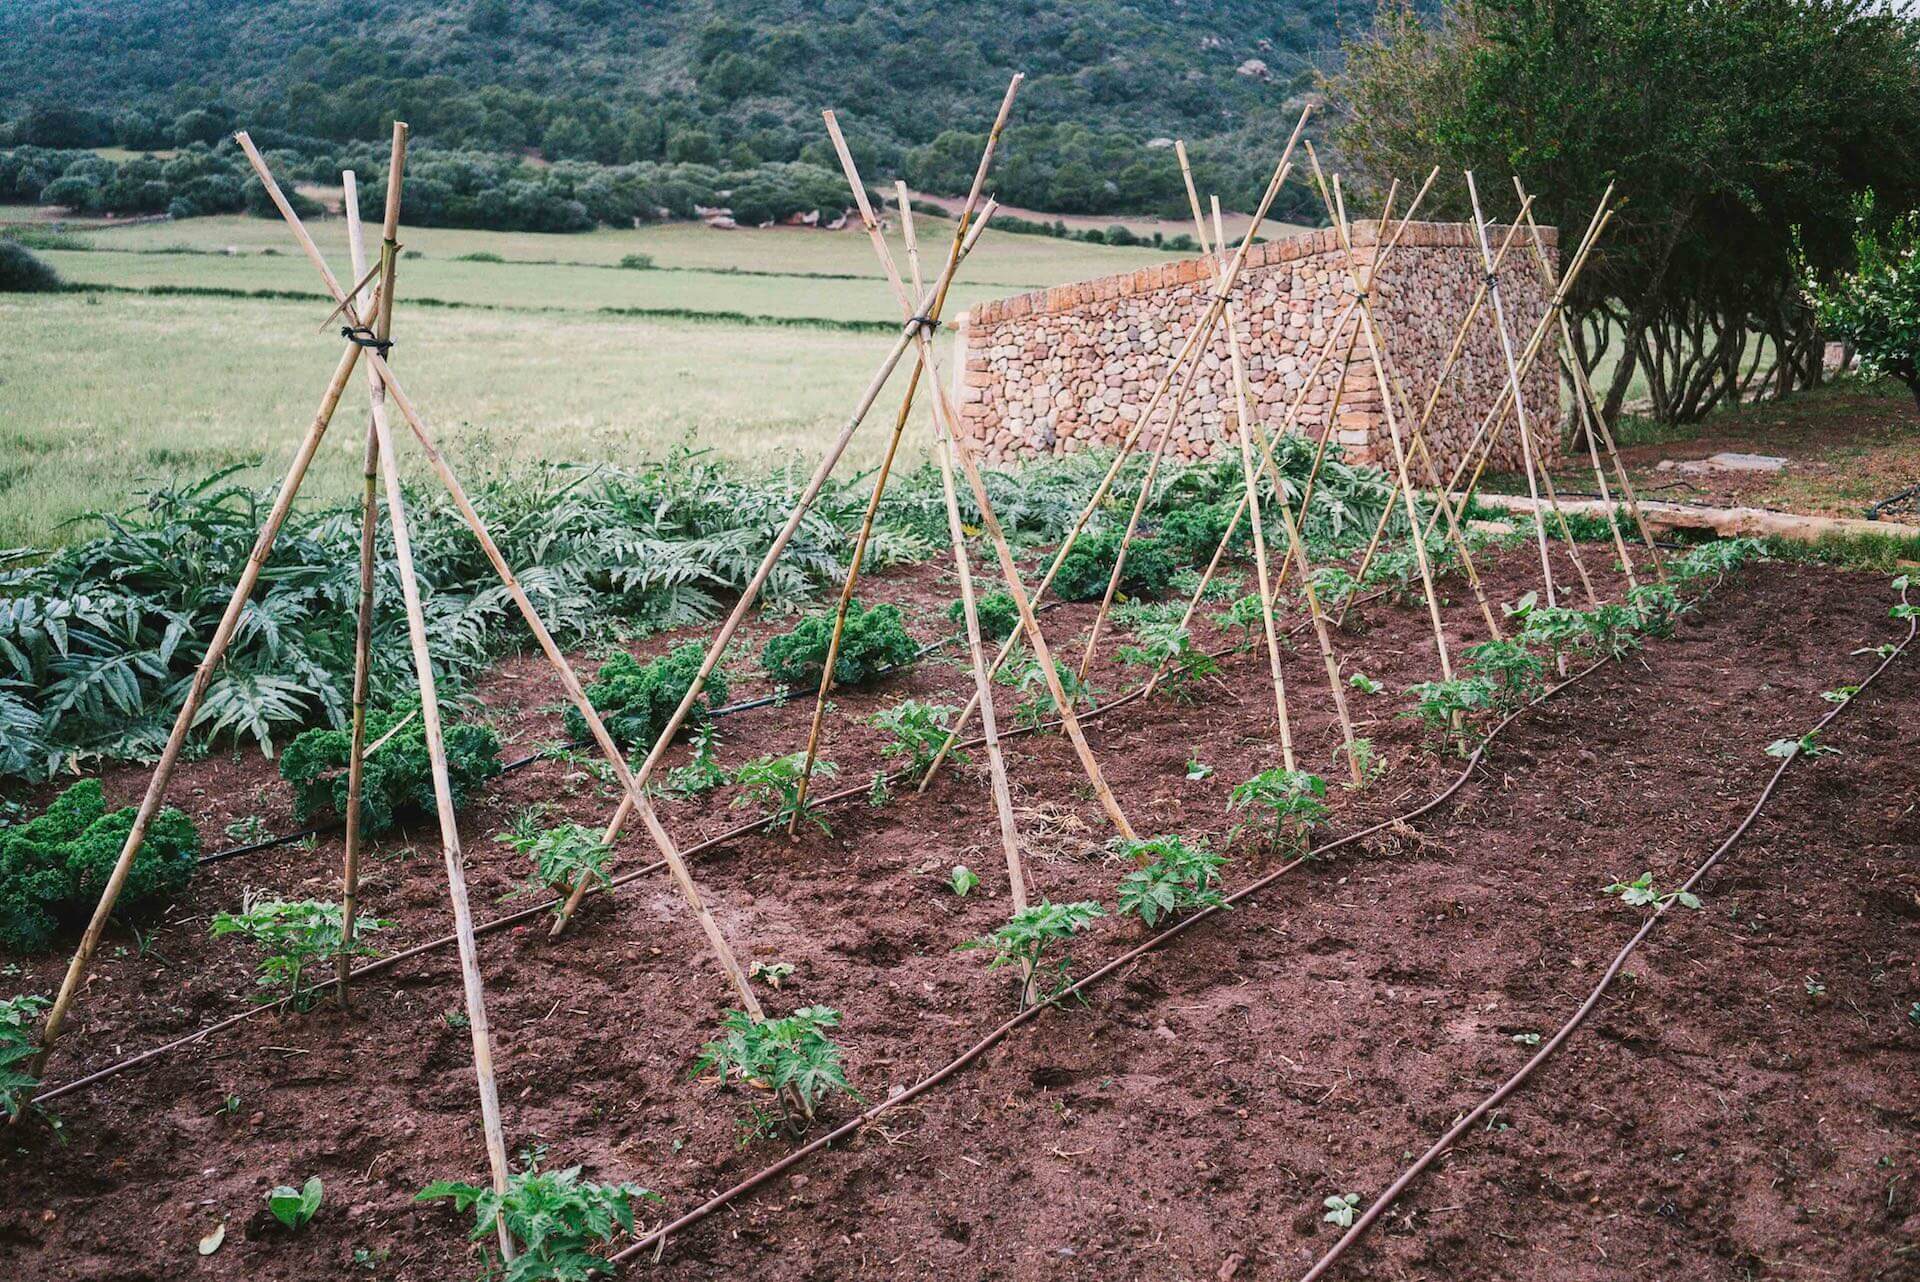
x=1876 y=306
x=872 y=642
x=22 y=272
x=561 y=1222
x=1173 y=877
x=999 y=616
x=53 y=867
x=637 y=262
x=1089 y=564
x=1194 y=533
x=636 y=700
x=397 y=779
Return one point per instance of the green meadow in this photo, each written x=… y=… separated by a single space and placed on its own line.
x=753 y=344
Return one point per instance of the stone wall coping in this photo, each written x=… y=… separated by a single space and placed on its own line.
x=1192 y=271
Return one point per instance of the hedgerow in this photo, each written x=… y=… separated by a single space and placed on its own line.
x=636 y=700
x=53 y=867
x=398 y=775
x=872 y=641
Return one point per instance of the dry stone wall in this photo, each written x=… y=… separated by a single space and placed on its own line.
x=1074 y=366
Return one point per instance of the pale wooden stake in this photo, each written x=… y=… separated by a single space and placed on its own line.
x=1296 y=546
x=183 y=722
x=1486 y=436
x=569 y=681
x=369 y=531
x=1513 y=384
x=1337 y=208
x=1593 y=419
x=1194 y=342
x=751 y=592
x=1223 y=290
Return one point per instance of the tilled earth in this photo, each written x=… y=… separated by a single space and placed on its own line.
x=1741 y=1106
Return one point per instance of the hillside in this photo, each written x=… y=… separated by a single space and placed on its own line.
x=620 y=81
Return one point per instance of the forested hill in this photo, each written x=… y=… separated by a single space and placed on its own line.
x=619 y=81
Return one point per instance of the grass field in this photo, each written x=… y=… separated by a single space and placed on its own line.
x=107 y=394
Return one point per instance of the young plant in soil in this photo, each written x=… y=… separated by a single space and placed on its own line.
x=918 y=730
x=871 y=642
x=1613 y=629
x=1438 y=703
x=54 y=866
x=1642 y=893
x=794 y=1058
x=1173 y=645
x=1244 y=617
x=1036 y=705
x=1371 y=761
x=561 y=854
x=296 y=1207
x=1333 y=585
x=1657 y=606
x=18 y=1017
x=1807 y=745
x=1030 y=935
x=702 y=774
x=1513 y=671
x=1289 y=803
x=773 y=785
x=1173 y=878
x=562 y=1224
x=297 y=936
x=1342 y=1210
x=962 y=881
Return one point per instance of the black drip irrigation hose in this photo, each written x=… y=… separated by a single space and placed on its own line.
x=508 y=767
x=1586 y=1008
x=658 y=1238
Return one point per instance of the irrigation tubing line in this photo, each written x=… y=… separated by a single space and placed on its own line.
x=1155 y=943
x=506 y=768
x=1512 y=1084
x=526 y=914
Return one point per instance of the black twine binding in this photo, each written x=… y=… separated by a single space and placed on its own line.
x=923 y=322
x=363 y=336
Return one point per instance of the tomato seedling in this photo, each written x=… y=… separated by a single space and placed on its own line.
x=1030 y=934
x=1172 y=878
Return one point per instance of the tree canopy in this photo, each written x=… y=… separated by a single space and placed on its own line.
x=1727 y=125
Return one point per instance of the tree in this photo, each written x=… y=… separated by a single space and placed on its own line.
x=1726 y=125
x=1875 y=306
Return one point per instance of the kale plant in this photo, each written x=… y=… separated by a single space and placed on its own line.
x=54 y=867
x=999 y=616
x=397 y=779
x=635 y=700
x=872 y=643
x=1088 y=566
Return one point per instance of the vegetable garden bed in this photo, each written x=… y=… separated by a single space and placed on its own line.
x=1193 y=1115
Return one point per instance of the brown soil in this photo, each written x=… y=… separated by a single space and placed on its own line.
x=1847 y=446
x=1713 y=1120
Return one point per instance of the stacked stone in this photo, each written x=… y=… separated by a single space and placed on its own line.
x=1074 y=366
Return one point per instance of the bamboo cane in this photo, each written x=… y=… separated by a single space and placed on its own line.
x=1223 y=291
x=944 y=425
x=1193 y=343
x=1337 y=208
x=933 y=313
x=1593 y=419
x=751 y=592
x=1486 y=436
x=369 y=529
x=184 y=720
x=1419 y=447
x=1513 y=383
x=1296 y=547
x=564 y=670
x=471 y=983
